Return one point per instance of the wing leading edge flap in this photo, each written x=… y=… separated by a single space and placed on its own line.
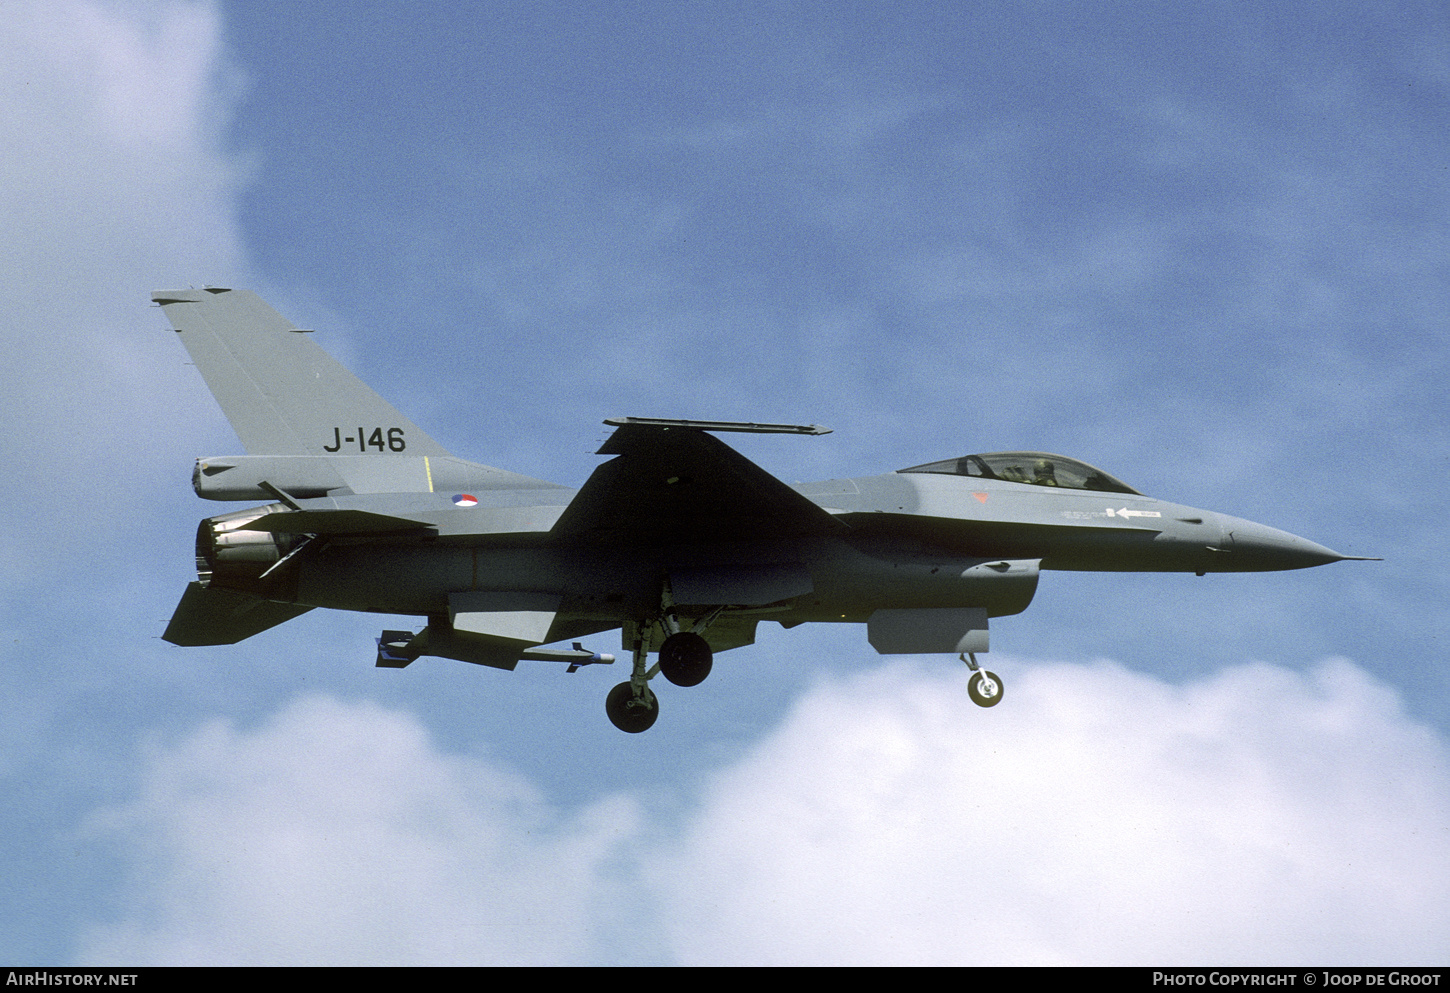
x=679 y=484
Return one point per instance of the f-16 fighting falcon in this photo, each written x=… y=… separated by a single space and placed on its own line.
x=678 y=541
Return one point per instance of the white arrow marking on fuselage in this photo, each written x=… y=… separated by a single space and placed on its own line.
x=1125 y=512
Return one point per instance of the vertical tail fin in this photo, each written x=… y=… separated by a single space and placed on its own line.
x=282 y=393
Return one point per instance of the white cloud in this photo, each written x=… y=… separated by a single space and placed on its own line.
x=113 y=182
x=1096 y=816
x=337 y=833
x=114 y=116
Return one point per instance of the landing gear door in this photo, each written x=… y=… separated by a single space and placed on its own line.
x=928 y=631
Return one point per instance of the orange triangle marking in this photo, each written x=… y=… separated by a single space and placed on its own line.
x=980 y=496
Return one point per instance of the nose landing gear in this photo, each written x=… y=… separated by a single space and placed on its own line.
x=985 y=688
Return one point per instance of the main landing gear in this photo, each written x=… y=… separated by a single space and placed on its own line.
x=629 y=711
x=985 y=688
x=685 y=660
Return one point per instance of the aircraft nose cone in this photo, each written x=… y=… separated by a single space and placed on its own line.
x=1257 y=548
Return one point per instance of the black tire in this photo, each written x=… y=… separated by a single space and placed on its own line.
x=974 y=689
x=686 y=659
x=628 y=713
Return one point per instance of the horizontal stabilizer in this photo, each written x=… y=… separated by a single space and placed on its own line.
x=208 y=616
x=335 y=522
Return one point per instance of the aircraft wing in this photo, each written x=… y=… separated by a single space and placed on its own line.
x=672 y=482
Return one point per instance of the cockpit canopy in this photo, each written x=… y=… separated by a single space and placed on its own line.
x=1034 y=468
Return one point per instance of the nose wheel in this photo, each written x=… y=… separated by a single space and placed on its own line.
x=985 y=688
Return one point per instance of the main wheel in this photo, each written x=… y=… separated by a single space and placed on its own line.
x=630 y=713
x=985 y=688
x=686 y=659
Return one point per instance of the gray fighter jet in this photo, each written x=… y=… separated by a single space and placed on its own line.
x=678 y=540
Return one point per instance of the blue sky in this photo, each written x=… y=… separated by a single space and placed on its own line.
x=1202 y=248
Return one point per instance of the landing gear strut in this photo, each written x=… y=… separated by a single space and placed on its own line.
x=685 y=660
x=629 y=712
x=685 y=656
x=985 y=688
x=632 y=706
